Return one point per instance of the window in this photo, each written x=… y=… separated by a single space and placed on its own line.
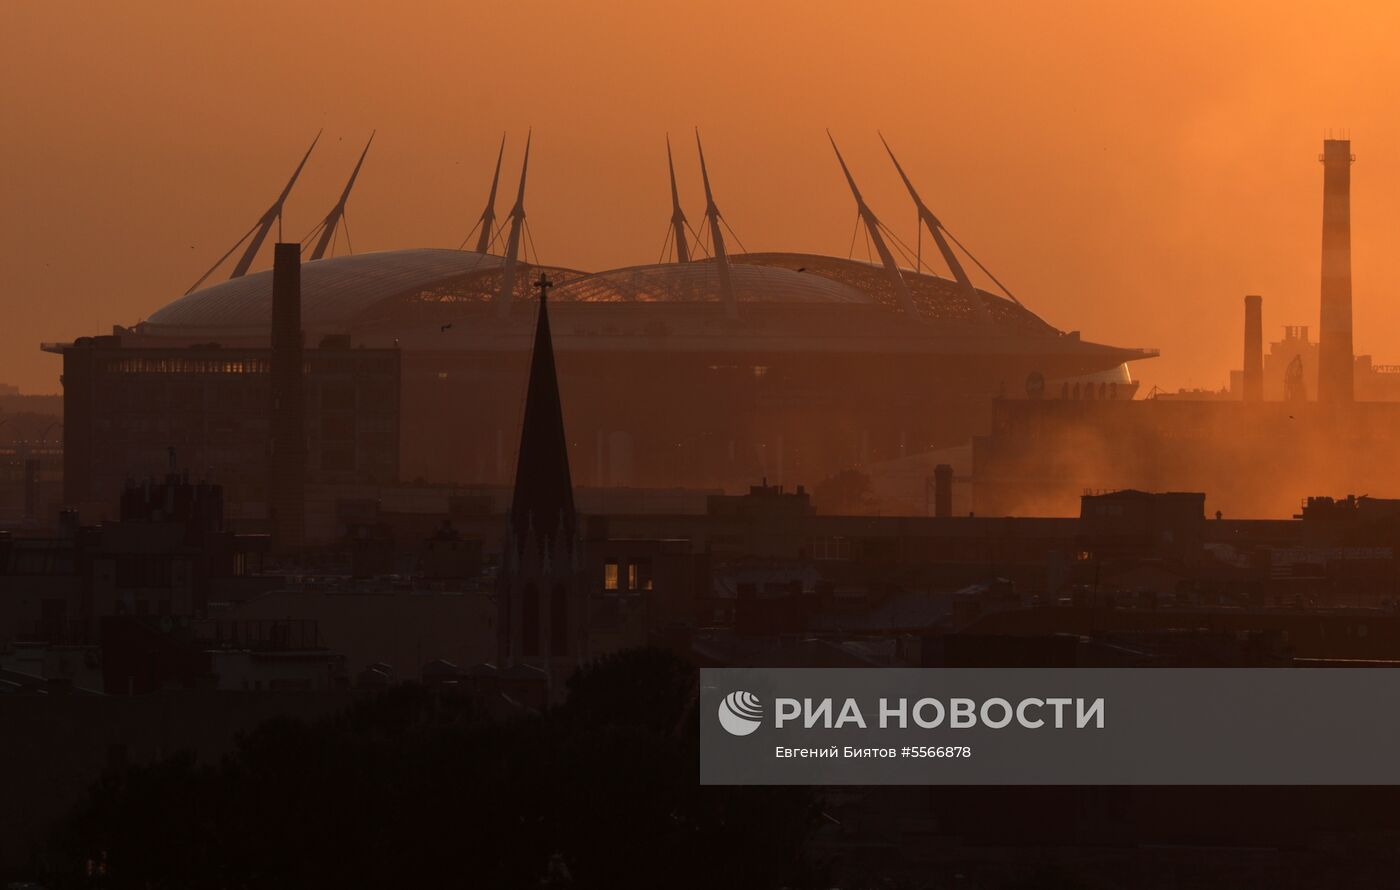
x=632 y=576
x=831 y=548
x=610 y=575
x=643 y=574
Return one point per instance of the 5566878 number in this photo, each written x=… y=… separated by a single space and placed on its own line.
x=939 y=751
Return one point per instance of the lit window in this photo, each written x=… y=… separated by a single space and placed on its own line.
x=632 y=576
x=610 y=575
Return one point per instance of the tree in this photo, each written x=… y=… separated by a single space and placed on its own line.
x=414 y=786
x=846 y=493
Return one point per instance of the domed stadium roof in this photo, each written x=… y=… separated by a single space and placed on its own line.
x=334 y=292
x=699 y=282
x=938 y=299
x=433 y=285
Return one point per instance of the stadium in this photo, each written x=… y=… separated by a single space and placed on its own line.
x=712 y=370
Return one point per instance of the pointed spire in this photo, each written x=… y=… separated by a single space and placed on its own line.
x=677 y=215
x=273 y=214
x=872 y=225
x=488 y=216
x=712 y=216
x=935 y=228
x=543 y=500
x=517 y=223
x=332 y=220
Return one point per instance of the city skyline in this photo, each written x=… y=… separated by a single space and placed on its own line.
x=759 y=444
x=1130 y=183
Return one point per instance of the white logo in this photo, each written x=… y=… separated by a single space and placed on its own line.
x=740 y=713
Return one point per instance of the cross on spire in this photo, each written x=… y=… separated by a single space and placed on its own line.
x=543 y=284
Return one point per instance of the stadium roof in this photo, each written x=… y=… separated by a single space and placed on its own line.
x=333 y=291
x=699 y=283
x=343 y=292
x=937 y=299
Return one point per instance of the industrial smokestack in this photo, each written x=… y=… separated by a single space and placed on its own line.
x=943 y=490
x=1253 y=348
x=1334 y=354
x=286 y=495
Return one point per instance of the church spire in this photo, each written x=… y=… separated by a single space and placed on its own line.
x=543 y=502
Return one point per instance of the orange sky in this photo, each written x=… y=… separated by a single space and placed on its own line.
x=1128 y=171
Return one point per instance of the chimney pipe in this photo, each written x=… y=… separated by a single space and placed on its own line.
x=1253 y=348
x=943 y=490
x=287 y=466
x=1334 y=353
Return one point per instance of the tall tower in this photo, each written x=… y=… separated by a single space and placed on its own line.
x=260 y=230
x=1334 y=353
x=872 y=227
x=286 y=491
x=517 y=225
x=488 y=216
x=935 y=228
x=337 y=214
x=541 y=607
x=1253 y=349
x=677 y=215
x=712 y=216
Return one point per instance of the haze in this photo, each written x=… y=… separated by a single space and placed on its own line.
x=1127 y=173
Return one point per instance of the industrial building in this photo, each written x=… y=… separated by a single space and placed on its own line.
x=128 y=404
x=1372 y=381
x=1315 y=416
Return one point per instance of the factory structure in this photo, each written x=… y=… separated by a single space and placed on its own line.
x=710 y=370
x=1304 y=415
x=1297 y=367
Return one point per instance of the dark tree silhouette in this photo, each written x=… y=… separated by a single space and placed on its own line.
x=414 y=786
x=848 y=492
